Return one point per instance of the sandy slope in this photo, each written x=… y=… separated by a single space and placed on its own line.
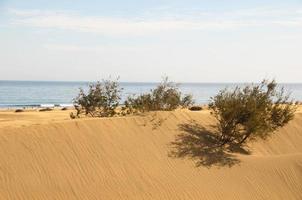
x=127 y=158
x=9 y=118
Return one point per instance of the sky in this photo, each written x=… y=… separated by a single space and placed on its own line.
x=144 y=40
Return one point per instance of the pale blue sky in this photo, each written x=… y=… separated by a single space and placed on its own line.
x=190 y=41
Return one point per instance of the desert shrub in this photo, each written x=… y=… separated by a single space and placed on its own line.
x=45 y=109
x=187 y=101
x=166 y=96
x=195 y=108
x=101 y=99
x=251 y=112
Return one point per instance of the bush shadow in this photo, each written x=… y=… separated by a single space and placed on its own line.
x=202 y=145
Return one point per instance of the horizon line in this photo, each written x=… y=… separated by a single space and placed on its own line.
x=86 y=81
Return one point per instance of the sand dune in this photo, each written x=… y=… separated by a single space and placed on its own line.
x=128 y=158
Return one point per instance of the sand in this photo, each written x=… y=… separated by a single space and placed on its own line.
x=48 y=156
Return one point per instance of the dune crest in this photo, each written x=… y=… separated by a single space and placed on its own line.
x=128 y=158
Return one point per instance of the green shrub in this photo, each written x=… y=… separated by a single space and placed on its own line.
x=101 y=100
x=251 y=112
x=166 y=96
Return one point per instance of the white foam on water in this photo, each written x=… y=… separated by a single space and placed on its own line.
x=47 y=105
x=66 y=105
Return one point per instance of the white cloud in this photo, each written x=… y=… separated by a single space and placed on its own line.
x=289 y=23
x=116 y=26
x=67 y=47
x=37 y=13
x=149 y=25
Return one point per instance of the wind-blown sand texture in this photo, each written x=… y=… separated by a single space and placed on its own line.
x=48 y=156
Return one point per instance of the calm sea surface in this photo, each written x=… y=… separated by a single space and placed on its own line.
x=44 y=93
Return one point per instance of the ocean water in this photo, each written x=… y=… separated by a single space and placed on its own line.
x=47 y=93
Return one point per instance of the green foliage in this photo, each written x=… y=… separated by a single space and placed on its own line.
x=254 y=111
x=166 y=96
x=101 y=100
x=187 y=101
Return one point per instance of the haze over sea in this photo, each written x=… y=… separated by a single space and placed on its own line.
x=47 y=93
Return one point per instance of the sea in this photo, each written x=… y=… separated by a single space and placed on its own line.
x=15 y=94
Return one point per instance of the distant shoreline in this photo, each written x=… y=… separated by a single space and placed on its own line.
x=35 y=94
x=34 y=106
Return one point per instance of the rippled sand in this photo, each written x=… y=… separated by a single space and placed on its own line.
x=48 y=156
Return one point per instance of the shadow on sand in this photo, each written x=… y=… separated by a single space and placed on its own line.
x=198 y=143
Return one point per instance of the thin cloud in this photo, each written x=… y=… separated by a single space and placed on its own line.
x=65 y=47
x=289 y=23
x=147 y=25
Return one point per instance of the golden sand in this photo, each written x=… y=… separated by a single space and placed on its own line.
x=45 y=155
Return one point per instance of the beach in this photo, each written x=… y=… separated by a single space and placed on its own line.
x=150 y=100
x=47 y=155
